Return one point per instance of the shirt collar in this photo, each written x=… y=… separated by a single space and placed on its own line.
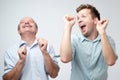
x=83 y=38
x=22 y=42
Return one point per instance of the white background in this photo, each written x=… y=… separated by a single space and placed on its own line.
x=49 y=16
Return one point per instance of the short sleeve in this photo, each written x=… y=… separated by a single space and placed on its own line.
x=8 y=64
x=52 y=53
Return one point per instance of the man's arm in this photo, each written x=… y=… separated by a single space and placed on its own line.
x=108 y=52
x=14 y=74
x=51 y=67
x=66 y=47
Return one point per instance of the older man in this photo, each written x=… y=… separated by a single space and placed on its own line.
x=31 y=58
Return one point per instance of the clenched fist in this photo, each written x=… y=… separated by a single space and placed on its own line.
x=42 y=44
x=101 y=26
x=69 y=20
x=22 y=51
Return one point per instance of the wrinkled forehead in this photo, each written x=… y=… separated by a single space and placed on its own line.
x=27 y=19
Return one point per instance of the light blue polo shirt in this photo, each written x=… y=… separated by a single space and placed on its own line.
x=34 y=67
x=88 y=62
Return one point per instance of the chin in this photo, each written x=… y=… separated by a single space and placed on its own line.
x=85 y=34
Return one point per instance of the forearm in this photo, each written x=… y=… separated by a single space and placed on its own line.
x=14 y=74
x=51 y=68
x=66 y=48
x=107 y=49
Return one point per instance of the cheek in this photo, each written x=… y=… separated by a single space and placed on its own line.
x=90 y=23
x=19 y=31
x=36 y=30
x=20 y=26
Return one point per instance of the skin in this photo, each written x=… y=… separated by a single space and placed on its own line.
x=90 y=27
x=27 y=30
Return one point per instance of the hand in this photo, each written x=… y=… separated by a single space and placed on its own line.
x=69 y=20
x=101 y=26
x=22 y=51
x=43 y=45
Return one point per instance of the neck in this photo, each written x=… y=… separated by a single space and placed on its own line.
x=93 y=36
x=29 y=39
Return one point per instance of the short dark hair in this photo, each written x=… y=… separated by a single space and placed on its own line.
x=94 y=11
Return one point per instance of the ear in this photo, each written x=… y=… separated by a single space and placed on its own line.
x=96 y=20
x=19 y=31
x=36 y=31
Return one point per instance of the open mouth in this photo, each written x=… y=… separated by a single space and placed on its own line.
x=82 y=27
x=27 y=26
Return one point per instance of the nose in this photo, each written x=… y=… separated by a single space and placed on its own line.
x=79 y=20
x=27 y=22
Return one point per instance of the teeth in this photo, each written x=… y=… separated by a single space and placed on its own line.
x=27 y=26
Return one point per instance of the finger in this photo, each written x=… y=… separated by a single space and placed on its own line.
x=42 y=45
x=40 y=42
x=24 y=50
x=69 y=17
x=103 y=21
x=99 y=23
x=65 y=18
x=24 y=53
